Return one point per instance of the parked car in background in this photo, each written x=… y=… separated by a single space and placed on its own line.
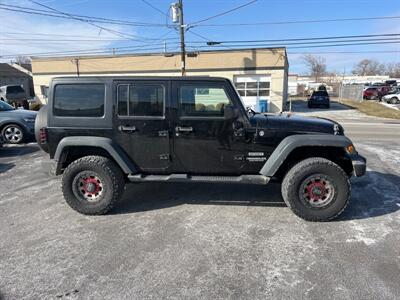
x=391 y=82
x=16 y=125
x=372 y=93
x=392 y=98
x=14 y=95
x=319 y=98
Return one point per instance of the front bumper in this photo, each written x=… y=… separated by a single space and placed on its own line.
x=359 y=164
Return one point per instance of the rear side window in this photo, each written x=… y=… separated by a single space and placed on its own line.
x=203 y=101
x=79 y=100
x=141 y=100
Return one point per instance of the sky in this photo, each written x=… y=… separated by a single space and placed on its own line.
x=23 y=33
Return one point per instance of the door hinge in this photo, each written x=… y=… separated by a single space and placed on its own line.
x=163 y=133
x=164 y=156
x=238 y=157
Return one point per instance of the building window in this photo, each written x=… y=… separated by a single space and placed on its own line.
x=210 y=102
x=253 y=88
x=79 y=100
x=141 y=100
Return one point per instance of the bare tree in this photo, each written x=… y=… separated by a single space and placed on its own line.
x=316 y=65
x=22 y=60
x=393 y=70
x=368 y=67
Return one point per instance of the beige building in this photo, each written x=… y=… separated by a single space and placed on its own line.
x=260 y=75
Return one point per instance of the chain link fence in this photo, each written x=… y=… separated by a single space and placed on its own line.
x=352 y=92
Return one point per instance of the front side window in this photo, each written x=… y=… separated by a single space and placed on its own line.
x=141 y=100
x=79 y=100
x=203 y=101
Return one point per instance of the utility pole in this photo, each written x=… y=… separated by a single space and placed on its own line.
x=76 y=61
x=177 y=17
x=182 y=34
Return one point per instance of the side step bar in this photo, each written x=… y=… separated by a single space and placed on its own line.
x=245 y=179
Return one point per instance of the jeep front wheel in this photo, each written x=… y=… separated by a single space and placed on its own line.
x=92 y=185
x=316 y=189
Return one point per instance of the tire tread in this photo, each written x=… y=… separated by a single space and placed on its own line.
x=111 y=169
x=293 y=174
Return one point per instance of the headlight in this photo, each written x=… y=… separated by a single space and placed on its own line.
x=29 y=120
x=351 y=149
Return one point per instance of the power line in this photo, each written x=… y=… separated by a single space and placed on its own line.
x=263 y=46
x=349 y=44
x=115 y=32
x=344 y=52
x=155 y=8
x=43 y=12
x=311 y=38
x=88 y=51
x=300 y=21
x=222 y=13
x=203 y=37
x=318 y=42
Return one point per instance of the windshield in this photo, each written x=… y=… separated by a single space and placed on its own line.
x=320 y=93
x=5 y=107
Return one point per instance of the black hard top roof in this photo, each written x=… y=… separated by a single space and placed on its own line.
x=104 y=77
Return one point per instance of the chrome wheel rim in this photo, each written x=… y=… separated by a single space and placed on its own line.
x=13 y=134
x=88 y=186
x=317 y=190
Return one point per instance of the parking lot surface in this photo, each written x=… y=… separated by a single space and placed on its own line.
x=203 y=240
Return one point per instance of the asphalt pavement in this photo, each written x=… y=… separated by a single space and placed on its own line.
x=209 y=241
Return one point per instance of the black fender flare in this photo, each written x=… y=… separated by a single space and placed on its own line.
x=119 y=156
x=290 y=143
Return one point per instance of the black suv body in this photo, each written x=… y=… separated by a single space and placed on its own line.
x=104 y=131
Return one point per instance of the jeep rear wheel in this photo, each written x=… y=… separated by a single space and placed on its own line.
x=92 y=185
x=316 y=189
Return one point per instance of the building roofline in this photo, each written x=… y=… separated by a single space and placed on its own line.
x=47 y=58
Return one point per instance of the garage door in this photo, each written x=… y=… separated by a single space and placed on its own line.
x=255 y=90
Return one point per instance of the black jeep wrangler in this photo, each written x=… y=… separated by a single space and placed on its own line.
x=102 y=132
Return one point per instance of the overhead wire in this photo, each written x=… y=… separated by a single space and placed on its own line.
x=30 y=10
x=301 y=21
x=115 y=32
x=222 y=13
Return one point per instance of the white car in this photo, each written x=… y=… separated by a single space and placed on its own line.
x=392 y=98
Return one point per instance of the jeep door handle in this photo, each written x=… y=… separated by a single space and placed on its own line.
x=184 y=129
x=127 y=128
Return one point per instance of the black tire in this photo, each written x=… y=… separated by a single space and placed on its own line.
x=309 y=105
x=393 y=100
x=13 y=134
x=111 y=185
x=293 y=189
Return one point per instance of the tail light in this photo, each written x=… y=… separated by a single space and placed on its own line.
x=43 y=135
